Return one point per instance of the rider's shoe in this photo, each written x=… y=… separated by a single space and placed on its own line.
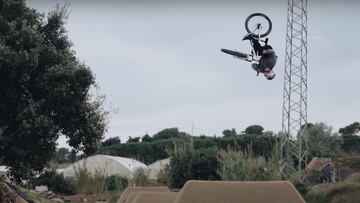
x=248 y=37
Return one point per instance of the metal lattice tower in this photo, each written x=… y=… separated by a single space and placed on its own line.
x=294 y=118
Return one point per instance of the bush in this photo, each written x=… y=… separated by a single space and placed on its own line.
x=2 y=177
x=244 y=166
x=55 y=182
x=163 y=176
x=88 y=183
x=141 y=177
x=189 y=164
x=351 y=144
x=116 y=182
x=314 y=178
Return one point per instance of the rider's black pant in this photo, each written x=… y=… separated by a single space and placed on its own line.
x=257 y=46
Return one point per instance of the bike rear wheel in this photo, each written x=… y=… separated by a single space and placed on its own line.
x=258 y=17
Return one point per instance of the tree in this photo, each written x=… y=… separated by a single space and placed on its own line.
x=350 y=135
x=189 y=164
x=351 y=129
x=62 y=155
x=229 y=133
x=146 y=138
x=44 y=91
x=169 y=133
x=322 y=142
x=254 y=129
x=133 y=140
x=111 y=141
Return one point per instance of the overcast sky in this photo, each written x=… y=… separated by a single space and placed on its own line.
x=160 y=66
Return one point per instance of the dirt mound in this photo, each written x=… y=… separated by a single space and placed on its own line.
x=8 y=195
x=354 y=178
x=131 y=197
x=101 y=197
x=334 y=193
x=238 y=191
x=155 y=197
x=129 y=190
x=316 y=164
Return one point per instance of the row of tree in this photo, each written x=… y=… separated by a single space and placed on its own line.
x=322 y=141
x=157 y=147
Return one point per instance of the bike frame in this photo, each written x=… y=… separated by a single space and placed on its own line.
x=253 y=56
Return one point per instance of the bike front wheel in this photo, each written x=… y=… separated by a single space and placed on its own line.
x=254 y=20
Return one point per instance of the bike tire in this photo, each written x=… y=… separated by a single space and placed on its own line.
x=260 y=15
x=235 y=53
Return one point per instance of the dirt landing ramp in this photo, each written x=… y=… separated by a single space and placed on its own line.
x=129 y=190
x=238 y=192
x=155 y=197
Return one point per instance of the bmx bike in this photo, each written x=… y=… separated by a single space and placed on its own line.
x=257 y=25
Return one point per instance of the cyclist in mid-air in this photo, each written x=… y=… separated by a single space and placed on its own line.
x=267 y=60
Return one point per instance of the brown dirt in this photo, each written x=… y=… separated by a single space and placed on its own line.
x=343 y=167
x=239 y=191
x=6 y=194
x=101 y=197
x=129 y=190
x=131 y=197
x=316 y=164
x=354 y=178
x=155 y=197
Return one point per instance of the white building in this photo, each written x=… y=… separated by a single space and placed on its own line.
x=154 y=168
x=3 y=170
x=106 y=165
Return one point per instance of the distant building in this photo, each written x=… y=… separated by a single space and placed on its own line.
x=106 y=165
x=154 y=168
x=3 y=170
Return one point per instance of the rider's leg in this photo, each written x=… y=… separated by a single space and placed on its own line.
x=256 y=68
x=257 y=46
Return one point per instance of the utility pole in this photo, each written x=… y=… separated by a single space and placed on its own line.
x=294 y=116
x=192 y=136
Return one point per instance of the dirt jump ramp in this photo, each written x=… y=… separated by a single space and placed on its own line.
x=155 y=197
x=238 y=192
x=129 y=190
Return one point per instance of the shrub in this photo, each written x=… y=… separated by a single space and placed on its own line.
x=141 y=177
x=55 y=182
x=163 y=176
x=2 y=177
x=116 y=182
x=244 y=166
x=88 y=183
x=189 y=164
